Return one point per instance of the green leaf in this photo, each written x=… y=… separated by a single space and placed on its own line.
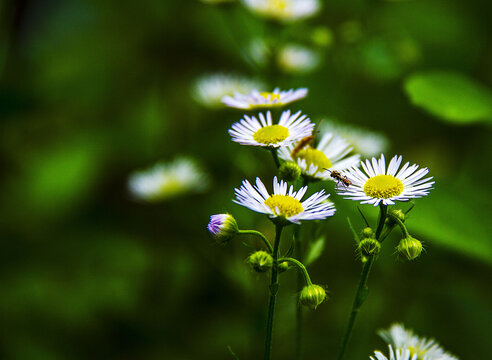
x=450 y=96
x=315 y=250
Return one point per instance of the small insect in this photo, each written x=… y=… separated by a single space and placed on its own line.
x=302 y=144
x=340 y=178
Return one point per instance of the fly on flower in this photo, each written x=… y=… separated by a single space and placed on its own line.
x=339 y=178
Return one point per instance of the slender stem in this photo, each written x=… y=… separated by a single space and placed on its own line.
x=301 y=267
x=299 y=283
x=401 y=225
x=273 y=293
x=362 y=290
x=254 y=232
x=275 y=156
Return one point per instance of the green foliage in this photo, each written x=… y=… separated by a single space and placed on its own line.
x=452 y=97
x=314 y=251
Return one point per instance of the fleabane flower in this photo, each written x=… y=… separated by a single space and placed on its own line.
x=208 y=90
x=380 y=185
x=283 y=10
x=365 y=142
x=330 y=153
x=167 y=180
x=294 y=58
x=399 y=354
x=256 y=99
x=284 y=204
x=262 y=132
x=418 y=347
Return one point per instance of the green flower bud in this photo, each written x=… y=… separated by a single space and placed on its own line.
x=289 y=171
x=260 y=261
x=312 y=296
x=368 y=233
x=390 y=221
x=410 y=247
x=283 y=266
x=369 y=247
x=223 y=227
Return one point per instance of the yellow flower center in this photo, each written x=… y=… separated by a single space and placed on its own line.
x=415 y=350
x=287 y=206
x=314 y=156
x=272 y=96
x=383 y=187
x=271 y=134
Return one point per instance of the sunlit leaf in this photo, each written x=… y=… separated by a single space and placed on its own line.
x=450 y=96
x=314 y=251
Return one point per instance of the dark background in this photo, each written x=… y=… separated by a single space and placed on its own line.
x=92 y=90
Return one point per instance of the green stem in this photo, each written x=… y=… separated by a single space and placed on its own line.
x=273 y=293
x=362 y=290
x=275 y=156
x=301 y=267
x=401 y=225
x=299 y=283
x=254 y=232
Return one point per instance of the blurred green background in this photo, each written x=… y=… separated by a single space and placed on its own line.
x=93 y=90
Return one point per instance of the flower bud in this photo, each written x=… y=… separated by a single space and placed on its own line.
x=260 y=261
x=223 y=227
x=390 y=221
x=369 y=247
x=283 y=266
x=410 y=247
x=368 y=233
x=289 y=171
x=312 y=296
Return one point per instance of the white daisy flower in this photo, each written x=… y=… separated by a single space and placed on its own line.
x=365 y=142
x=330 y=153
x=283 y=10
x=208 y=90
x=294 y=58
x=167 y=180
x=419 y=347
x=399 y=354
x=381 y=185
x=283 y=204
x=256 y=99
x=262 y=132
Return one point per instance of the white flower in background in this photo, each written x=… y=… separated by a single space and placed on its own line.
x=420 y=347
x=380 y=185
x=330 y=153
x=399 y=354
x=258 y=51
x=167 y=180
x=283 y=10
x=365 y=142
x=256 y=99
x=209 y=90
x=294 y=58
x=262 y=132
x=283 y=204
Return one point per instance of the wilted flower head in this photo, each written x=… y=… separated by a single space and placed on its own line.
x=167 y=180
x=365 y=142
x=418 y=348
x=283 y=10
x=209 y=90
x=295 y=58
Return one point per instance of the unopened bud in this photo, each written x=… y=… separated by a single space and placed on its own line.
x=289 y=171
x=260 y=261
x=369 y=247
x=368 y=233
x=410 y=247
x=394 y=213
x=283 y=266
x=312 y=296
x=223 y=227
